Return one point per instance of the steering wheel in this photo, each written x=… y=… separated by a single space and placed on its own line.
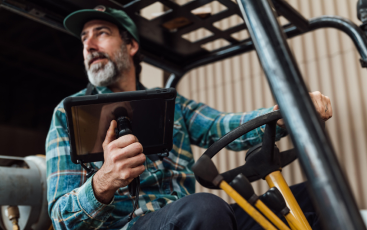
x=261 y=159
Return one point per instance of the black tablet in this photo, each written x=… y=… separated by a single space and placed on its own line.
x=150 y=113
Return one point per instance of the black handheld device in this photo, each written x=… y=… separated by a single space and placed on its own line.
x=124 y=128
x=148 y=114
x=123 y=122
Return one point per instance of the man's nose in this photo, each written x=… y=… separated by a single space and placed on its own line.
x=90 y=45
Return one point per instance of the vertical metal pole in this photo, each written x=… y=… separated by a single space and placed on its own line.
x=173 y=80
x=330 y=189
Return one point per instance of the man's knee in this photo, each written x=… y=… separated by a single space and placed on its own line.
x=196 y=211
x=208 y=203
x=210 y=210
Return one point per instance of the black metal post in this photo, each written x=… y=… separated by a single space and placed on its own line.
x=173 y=80
x=284 y=8
x=330 y=189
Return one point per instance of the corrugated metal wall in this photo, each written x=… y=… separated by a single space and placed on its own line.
x=329 y=64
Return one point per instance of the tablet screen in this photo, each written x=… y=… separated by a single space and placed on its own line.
x=91 y=122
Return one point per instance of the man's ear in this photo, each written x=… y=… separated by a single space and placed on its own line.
x=133 y=48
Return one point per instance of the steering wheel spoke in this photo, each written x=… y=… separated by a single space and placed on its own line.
x=269 y=138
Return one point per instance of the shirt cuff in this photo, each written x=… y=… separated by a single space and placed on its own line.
x=90 y=205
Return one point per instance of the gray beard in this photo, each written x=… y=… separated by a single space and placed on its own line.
x=100 y=74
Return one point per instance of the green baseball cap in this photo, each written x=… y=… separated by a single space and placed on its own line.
x=75 y=21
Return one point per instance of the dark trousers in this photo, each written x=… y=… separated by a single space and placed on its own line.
x=207 y=211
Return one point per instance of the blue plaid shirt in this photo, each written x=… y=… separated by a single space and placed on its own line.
x=71 y=201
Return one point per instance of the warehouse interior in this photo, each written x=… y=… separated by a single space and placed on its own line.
x=42 y=64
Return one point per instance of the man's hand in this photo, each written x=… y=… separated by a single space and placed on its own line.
x=124 y=161
x=322 y=104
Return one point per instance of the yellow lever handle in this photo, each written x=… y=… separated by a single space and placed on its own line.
x=246 y=206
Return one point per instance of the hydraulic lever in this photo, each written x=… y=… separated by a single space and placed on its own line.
x=241 y=184
x=274 y=199
x=205 y=169
x=276 y=179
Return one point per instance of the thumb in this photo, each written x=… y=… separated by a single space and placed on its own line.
x=276 y=107
x=110 y=136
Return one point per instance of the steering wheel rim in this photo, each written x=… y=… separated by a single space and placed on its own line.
x=268 y=119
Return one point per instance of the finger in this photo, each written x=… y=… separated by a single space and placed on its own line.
x=129 y=180
x=132 y=172
x=280 y=123
x=110 y=136
x=318 y=102
x=137 y=171
x=330 y=109
x=327 y=113
x=132 y=162
x=126 y=140
x=129 y=151
x=326 y=107
x=323 y=108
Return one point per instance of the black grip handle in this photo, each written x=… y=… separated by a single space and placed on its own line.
x=274 y=199
x=243 y=186
x=124 y=128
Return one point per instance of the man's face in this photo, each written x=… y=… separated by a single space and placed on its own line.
x=105 y=54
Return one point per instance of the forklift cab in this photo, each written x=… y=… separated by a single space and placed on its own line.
x=163 y=46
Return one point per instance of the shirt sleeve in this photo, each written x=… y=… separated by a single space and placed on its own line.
x=207 y=125
x=71 y=200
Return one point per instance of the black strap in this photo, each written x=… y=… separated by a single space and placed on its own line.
x=90 y=89
x=158 y=156
x=90 y=170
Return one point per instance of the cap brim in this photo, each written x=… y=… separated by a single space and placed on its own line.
x=75 y=21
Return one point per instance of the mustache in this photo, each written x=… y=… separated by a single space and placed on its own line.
x=93 y=56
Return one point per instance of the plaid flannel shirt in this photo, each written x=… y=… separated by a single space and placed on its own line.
x=71 y=200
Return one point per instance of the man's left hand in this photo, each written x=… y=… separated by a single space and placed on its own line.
x=322 y=104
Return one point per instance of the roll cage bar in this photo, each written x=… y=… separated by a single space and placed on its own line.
x=168 y=50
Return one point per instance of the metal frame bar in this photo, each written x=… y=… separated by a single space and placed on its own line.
x=330 y=189
x=293 y=16
x=358 y=37
x=355 y=33
x=27 y=14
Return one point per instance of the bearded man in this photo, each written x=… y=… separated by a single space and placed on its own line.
x=166 y=200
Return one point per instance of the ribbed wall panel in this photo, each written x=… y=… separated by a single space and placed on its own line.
x=329 y=63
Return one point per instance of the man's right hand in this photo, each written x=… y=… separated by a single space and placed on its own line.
x=123 y=161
